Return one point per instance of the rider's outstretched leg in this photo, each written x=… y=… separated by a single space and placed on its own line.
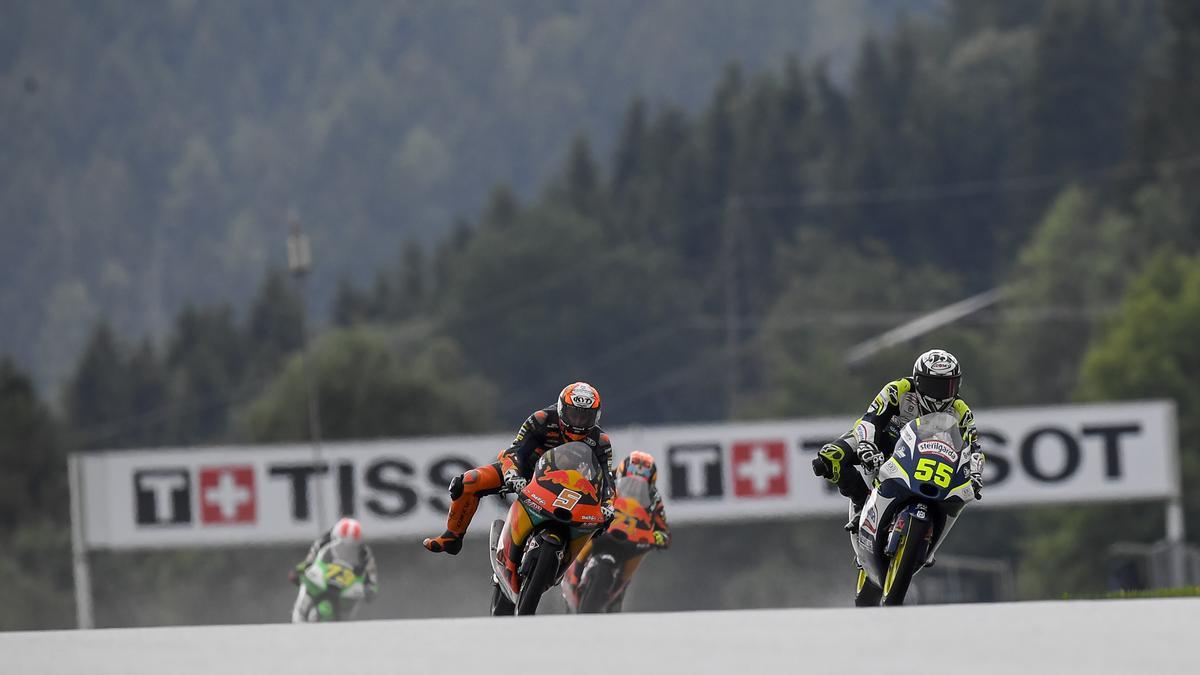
x=465 y=492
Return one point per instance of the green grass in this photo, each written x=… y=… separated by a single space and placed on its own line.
x=1183 y=592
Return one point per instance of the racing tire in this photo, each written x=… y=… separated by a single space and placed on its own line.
x=599 y=583
x=913 y=551
x=538 y=581
x=868 y=593
x=501 y=605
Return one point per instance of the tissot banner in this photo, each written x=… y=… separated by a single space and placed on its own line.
x=397 y=488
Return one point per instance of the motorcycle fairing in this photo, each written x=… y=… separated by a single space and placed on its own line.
x=899 y=494
x=510 y=548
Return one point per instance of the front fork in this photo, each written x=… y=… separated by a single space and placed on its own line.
x=916 y=511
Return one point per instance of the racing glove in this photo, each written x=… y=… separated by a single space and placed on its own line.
x=294 y=574
x=514 y=481
x=661 y=539
x=975 y=471
x=828 y=463
x=869 y=456
x=607 y=510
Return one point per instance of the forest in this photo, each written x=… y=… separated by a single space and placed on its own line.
x=707 y=262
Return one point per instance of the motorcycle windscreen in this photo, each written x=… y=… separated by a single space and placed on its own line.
x=634 y=489
x=632 y=505
x=347 y=552
x=939 y=427
x=576 y=456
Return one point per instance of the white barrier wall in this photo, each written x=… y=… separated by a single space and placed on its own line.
x=397 y=488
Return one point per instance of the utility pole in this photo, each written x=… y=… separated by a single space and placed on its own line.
x=299 y=262
x=729 y=260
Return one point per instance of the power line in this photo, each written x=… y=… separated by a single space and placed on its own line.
x=959 y=189
x=749 y=202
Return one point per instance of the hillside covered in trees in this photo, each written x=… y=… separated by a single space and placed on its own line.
x=717 y=261
x=154 y=149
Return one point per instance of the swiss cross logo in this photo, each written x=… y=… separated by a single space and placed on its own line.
x=760 y=469
x=227 y=494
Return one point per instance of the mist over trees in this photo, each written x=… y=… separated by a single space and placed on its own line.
x=155 y=148
x=712 y=259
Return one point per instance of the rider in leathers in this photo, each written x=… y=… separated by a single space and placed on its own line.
x=933 y=387
x=573 y=417
x=639 y=465
x=347 y=536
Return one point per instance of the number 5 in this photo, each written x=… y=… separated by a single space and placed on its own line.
x=567 y=499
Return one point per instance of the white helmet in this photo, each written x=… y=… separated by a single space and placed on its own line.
x=937 y=377
x=346 y=539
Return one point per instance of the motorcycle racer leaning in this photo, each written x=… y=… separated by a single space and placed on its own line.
x=639 y=465
x=933 y=387
x=346 y=536
x=573 y=417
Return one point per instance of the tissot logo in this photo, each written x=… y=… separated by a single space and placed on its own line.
x=760 y=469
x=162 y=496
x=695 y=471
x=227 y=494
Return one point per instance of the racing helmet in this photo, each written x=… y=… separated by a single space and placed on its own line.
x=346 y=539
x=936 y=378
x=578 y=410
x=640 y=464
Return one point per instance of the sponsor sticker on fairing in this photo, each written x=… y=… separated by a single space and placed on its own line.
x=866 y=542
x=939 y=448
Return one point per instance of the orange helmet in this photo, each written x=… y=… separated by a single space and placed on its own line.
x=578 y=410
x=640 y=464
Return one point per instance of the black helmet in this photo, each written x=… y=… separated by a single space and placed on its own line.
x=937 y=377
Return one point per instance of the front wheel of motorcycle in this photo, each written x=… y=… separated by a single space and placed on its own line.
x=501 y=605
x=538 y=581
x=868 y=594
x=908 y=559
x=599 y=582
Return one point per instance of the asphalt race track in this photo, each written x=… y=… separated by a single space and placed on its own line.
x=1093 y=637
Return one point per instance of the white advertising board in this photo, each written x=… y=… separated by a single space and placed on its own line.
x=397 y=488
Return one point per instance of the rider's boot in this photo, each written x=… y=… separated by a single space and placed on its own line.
x=855 y=513
x=448 y=542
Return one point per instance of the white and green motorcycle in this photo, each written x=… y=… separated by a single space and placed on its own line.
x=330 y=589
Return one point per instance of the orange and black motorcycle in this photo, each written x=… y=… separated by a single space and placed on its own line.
x=550 y=521
x=597 y=580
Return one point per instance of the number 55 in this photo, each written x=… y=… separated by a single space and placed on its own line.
x=940 y=472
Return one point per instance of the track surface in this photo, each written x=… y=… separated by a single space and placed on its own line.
x=1123 y=636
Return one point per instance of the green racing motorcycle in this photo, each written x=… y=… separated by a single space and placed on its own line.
x=330 y=589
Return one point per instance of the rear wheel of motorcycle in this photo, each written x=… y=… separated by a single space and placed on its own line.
x=595 y=591
x=909 y=558
x=868 y=593
x=538 y=581
x=501 y=605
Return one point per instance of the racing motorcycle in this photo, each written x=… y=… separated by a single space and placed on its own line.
x=917 y=497
x=330 y=589
x=546 y=526
x=596 y=583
